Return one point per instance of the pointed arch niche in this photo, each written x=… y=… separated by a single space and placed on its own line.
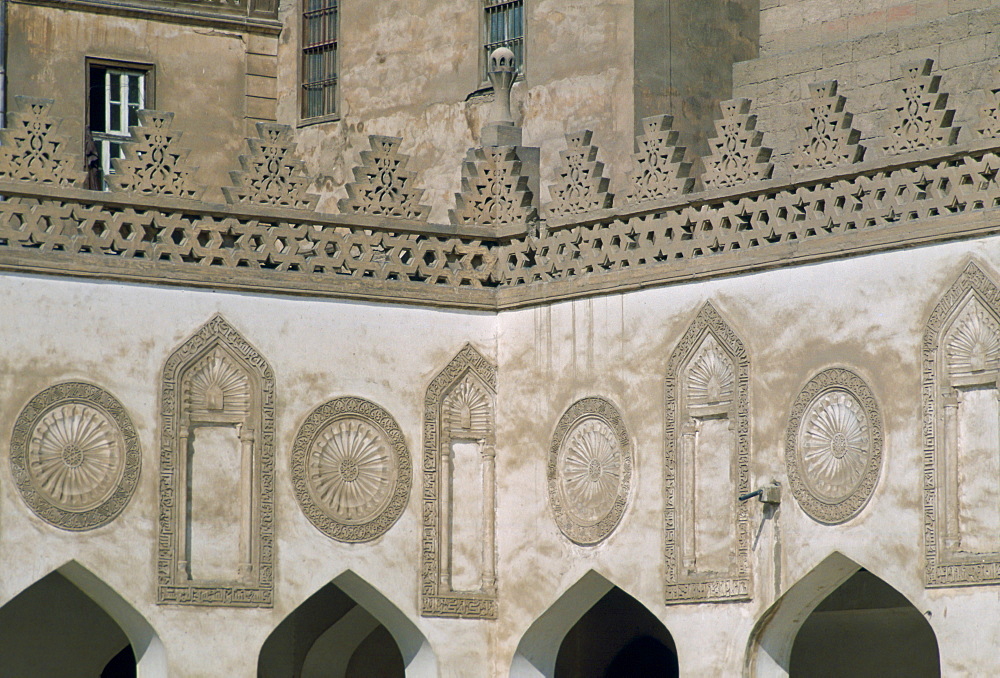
x=595 y=629
x=961 y=390
x=707 y=464
x=70 y=623
x=216 y=527
x=458 y=559
x=842 y=620
x=347 y=629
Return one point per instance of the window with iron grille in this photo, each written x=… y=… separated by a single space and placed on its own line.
x=115 y=97
x=503 y=24
x=319 y=58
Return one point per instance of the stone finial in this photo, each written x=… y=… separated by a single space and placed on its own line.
x=660 y=166
x=737 y=155
x=31 y=148
x=382 y=185
x=501 y=130
x=153 y=162
x=830 y=139
x=494 y=190
x=920 y=117
x=271 y=174
x=581 y=186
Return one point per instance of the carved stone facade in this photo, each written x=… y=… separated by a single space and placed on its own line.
x=707 y=464
x=217 y=380
x=494 y=190
x=382 y=185
x=738 y=154
x=154 y=163
x=75 y=456
x=961 y=364
x=921 y=117
x=660 y=166
x=589 y=471
x=830 y=138
x=582 y=185
x=459 y=409
x=271 y=174
x=833 y=446
x=31 y=148
x=351 y=469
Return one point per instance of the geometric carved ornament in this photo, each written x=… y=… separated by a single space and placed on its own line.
x=154 y=164
x=830 y=138
x=216 y=387
x=494 y=190
x=737 y=154
x=271 y=176
x=660 y=166
x=350 y=469
x=921 y=118
x=833 y=446
x=707 y=464
x=458 y=542
x=581 y=186
x=75 y=456
x=382 y=185
x=961 y=367
x=589 y=471
x=31 y=148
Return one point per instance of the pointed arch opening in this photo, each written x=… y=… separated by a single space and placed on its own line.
x=843 y=620
x=71 y=623
x=596 y=630
x=347 y=629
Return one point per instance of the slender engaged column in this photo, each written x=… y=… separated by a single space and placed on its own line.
x=444 y=527
x=689 y=448
x=246 y=436
x=489 y=519
x=952 y=535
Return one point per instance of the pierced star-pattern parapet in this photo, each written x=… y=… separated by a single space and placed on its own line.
x=581 y=186
x=31 y=148
x=271 y=174
x=737 y=154
x=382 y=184
x=154 y=164
x=830 y=138
x=921 y=118
x=660 y=166
x=494 y=191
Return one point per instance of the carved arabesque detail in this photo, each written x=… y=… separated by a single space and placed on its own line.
x=271 y=174
x=382 y=185
x=737 y=154
x=494 y=190
x=217 y=378
x=75 y=456
x=922 y=117
x=455 y=398
x=660 y=166
x=154 y=164
x=708 y=377
x=351 y=471
x=830 y=138
x=581 y=186
x=31 y=148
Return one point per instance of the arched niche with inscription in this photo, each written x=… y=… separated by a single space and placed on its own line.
x=707 y=464
x=216 y=532
x=458 y=549
x=961 y=427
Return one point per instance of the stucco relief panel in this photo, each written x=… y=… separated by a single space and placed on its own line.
x=75 y=456
x=351 y=470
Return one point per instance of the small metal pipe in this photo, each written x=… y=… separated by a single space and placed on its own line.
x=751 y=495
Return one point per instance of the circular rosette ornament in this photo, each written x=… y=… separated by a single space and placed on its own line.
x=589 y=470
x=833 y=449
x=351 y=469
x=75 y=456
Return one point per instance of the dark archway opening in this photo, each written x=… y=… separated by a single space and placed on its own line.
x=330 y=636
x=52 y=628
x=617 y=638
x=865 y=628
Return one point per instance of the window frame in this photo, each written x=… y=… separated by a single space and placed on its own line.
x=304 y=120
x=485 y=41
x=147 y=93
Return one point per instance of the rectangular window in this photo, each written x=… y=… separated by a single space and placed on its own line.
x=116 y=95
x=504 y=27
x=319 y=59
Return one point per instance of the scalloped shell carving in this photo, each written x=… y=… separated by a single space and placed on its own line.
x=974 y=343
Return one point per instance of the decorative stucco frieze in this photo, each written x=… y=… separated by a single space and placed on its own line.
x=217 y=381
x=833 y=446
x=154 y=163
x=495 y=191
x=737 y=151
x=830 y=139
x=382 y=184
x=31 y=148
x=351 y=471
x=581 y=186
x=75 y=456
x=660 y=166
x=459 y=412
x=589 y=471
x=920 y=118
x=961 y=368
x=707 y=464
x=271 y=176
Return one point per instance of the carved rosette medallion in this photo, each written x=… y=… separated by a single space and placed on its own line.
x=833 y=446
x=589 y=471
x=351 y=469
x=75 y=456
